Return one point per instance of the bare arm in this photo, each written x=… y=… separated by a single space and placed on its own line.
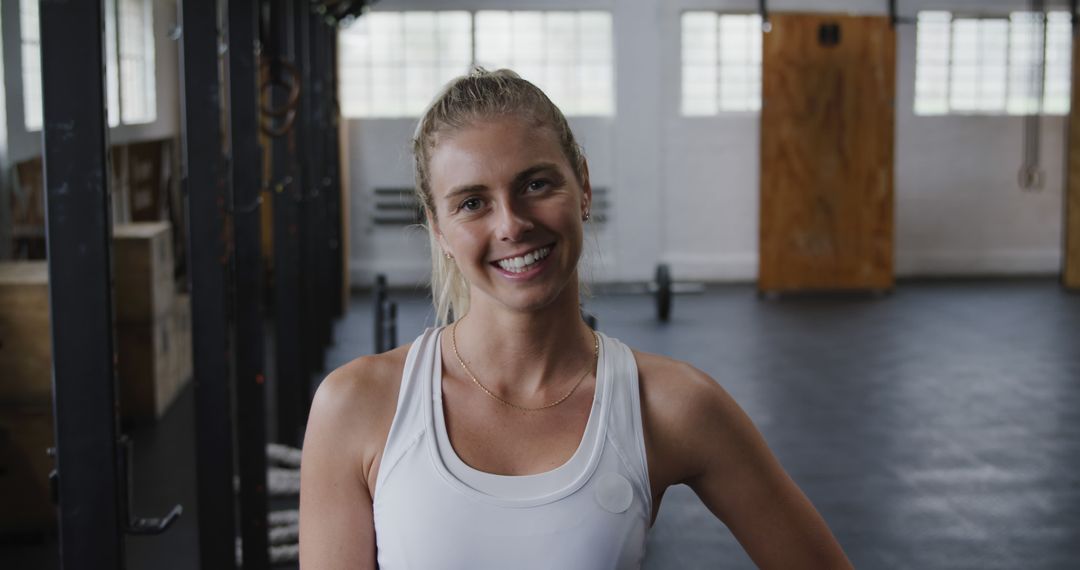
x=336 y=525
x=723 y=457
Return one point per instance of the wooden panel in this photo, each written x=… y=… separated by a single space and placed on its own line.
x=145 y=181
x=27 y=199
x=143 y=271
x=827 y=154
x=25 y=343
x=1071 y=258
x=27 y=207
x=25 y=434
x=154 y=362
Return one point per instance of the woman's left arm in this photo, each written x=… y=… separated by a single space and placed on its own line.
x=722 y=456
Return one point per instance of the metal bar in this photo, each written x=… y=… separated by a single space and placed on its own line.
x=320 y=101
x=334 y=190
x=306 y=226
x=318 y=225
x=206 y=182
x=287 y=186
x=379 y=296
x=78 y=241
x=247 y=295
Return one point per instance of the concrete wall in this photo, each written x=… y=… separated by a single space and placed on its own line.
x=685 y=190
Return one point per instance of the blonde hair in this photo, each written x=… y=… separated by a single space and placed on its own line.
x=464 y=101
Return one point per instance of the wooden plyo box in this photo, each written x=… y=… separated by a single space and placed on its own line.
x=142 y=271
x=154 y=362
x=25 y=342
x=25 y=433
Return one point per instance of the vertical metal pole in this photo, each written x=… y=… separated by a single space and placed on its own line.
x=287 y=185
x=334 y=189
x=317 y=57
x=308 y=224
x=379 y=295
x=78 y=240
x=206 y=184
x=247 y=296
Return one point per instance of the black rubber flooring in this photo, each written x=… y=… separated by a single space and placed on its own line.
x=937 y=427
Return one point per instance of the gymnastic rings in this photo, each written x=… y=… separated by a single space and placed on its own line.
x=289 y=78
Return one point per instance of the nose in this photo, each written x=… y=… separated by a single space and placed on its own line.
x=513 y=221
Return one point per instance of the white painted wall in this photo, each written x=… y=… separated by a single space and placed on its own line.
x=685 y=190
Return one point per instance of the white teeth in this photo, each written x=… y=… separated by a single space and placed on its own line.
x=522 y=263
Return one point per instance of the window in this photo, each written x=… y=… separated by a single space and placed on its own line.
x=134 y=100
x=993 y=65
x=721 y=63
x=138 y=94
x=31 y=63
x=393 y=63
x=567 y=54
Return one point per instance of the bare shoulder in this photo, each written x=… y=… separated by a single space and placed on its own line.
x=355 y=405
x=679 y=404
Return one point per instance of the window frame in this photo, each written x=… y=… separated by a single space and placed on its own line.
x=751 y=110
x=474 y=60
x=1010 y=93
x=113 y=79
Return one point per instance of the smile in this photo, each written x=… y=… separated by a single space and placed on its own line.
x=523 y=263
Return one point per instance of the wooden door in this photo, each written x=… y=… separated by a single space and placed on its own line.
x=1071 y=257
x=826 y=211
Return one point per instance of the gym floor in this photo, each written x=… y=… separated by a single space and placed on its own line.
x=936 y=427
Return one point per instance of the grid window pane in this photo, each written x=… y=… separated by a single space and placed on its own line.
x=130 y=87
x=31 y=64
x=393 y=63
x=1058 y=63
x=138 y=93
x=721 y=63
x=1015 y=65
x=567 y=54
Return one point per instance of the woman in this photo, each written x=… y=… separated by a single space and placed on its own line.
x=516 y=437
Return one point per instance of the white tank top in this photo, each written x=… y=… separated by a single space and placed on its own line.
x=433 y=511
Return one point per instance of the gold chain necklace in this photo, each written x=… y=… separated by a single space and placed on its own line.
x=596 y=358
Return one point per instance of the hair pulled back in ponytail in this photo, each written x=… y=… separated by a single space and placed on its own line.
x=478 y=96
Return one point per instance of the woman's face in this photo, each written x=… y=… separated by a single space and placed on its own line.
x=508 y=208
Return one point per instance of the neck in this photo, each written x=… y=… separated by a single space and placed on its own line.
x=526 y=355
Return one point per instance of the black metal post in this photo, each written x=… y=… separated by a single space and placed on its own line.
x=287 y=186
x=391 y=327
x=334 y=228
x=379 y=294
x=75 y=137
x=308 y=300
x=319 y=101
x=206 y=184
x=247 y=298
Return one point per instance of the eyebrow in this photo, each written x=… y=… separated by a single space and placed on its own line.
x=519 y=179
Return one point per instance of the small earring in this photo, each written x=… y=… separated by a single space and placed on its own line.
x=448 y=256
x=585 y=218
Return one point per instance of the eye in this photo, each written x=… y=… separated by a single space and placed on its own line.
x=471 y=204
x=537 y=185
